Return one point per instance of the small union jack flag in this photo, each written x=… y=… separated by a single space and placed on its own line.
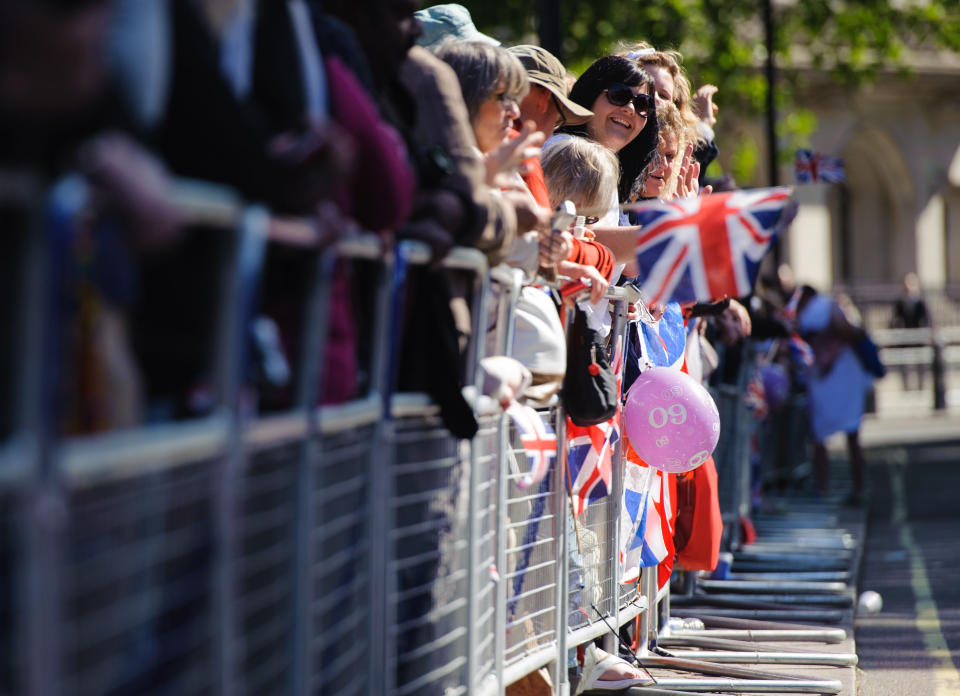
x=812 y=167
x=665 y=340
x=800 y=351
x=645 y=513
x=539 y=442
x=590 y=449
x=756 y=398
x=706 y=248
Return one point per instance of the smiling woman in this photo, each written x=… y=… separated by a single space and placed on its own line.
x=620 y=95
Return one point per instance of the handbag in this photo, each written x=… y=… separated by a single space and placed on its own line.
x=589 y=390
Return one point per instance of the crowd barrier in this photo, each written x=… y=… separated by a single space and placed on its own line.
x=912 y=354
x=356 y=548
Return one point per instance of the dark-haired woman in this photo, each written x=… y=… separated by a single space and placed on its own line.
x=621 y=97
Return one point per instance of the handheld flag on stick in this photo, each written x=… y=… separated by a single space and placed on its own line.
x=539 y=443
x=645 y=535
x=706 y=248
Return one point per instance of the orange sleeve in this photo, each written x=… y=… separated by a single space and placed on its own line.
x=536 y=182
x=591 y=253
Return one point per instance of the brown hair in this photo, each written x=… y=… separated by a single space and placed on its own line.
x=480 y=68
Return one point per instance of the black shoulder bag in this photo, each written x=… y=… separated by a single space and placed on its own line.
x=589 y=392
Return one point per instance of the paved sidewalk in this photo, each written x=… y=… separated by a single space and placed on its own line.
x=797 y=531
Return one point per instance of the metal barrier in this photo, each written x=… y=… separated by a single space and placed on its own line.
x=732 y=454
x=355 y=548
x=167 y=557
x=442 y=527
x=925 y=356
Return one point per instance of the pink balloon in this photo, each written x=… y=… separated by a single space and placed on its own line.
x=671 y=420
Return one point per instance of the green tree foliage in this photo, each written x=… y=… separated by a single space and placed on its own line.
x=723 y=41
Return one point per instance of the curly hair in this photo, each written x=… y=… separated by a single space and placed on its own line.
x=672 y=61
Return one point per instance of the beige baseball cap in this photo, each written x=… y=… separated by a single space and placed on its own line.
x=545 y=70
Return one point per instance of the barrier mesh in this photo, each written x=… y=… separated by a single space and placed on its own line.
x=429 y=558
x=8 y=594
x=340 y=576
x=266 y=585
x=531 y=573
x=486 y=442
x=138 y=585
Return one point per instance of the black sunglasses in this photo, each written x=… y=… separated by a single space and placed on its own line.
x=621 y=95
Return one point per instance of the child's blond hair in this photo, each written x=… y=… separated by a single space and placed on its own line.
x=582 y=171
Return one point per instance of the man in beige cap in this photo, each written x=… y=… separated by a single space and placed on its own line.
x=547 y=104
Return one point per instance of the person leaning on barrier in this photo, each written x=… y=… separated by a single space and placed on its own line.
x=420 y=96
x=493 y=82
x=583 y=172
x=546 y=105
x=308 y=81
x=60 y=115
x=621 y=97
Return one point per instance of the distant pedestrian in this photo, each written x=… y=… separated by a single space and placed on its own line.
x=910 y=312
x=838 y=385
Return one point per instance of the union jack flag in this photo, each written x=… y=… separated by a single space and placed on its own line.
x=539 y=442
x=706 y=248
x=645 y=515
x=756 y=398
x=664 y=341
x=590 y=449
x=812 y=167
x=800 y=351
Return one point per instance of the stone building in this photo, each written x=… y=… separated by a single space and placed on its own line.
x=899 y=209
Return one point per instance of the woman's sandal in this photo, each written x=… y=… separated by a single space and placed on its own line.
x=593 y=671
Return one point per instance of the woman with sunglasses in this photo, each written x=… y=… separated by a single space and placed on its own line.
x=621 y=96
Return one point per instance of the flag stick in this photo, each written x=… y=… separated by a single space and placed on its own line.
x=573 y=509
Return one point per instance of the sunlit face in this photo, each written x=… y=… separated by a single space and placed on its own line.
x=667 y=151
x=494 y=119
x=541 y=107
x=616 y=126
x=663 y=81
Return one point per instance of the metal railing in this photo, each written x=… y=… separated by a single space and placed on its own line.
x=349 y=548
